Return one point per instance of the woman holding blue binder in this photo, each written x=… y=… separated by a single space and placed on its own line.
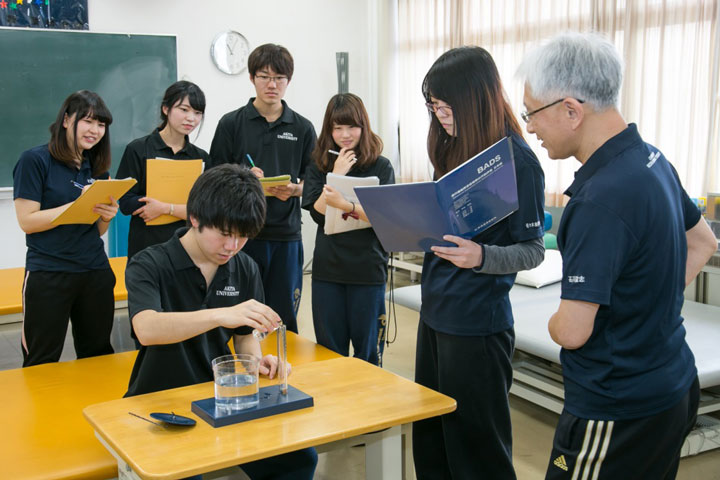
x=349 y=268
x=67 y=273
x=181 y=111
x=465 y=335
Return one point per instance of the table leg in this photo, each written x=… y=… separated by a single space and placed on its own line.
x=125 y=471
x=383 y=454
x=408 y=463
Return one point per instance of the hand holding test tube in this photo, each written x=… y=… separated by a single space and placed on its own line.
x=281 y=351
x=262 y=335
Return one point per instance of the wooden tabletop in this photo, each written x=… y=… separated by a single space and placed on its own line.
x=11 y=281
x=352 y=397
x=44 y=434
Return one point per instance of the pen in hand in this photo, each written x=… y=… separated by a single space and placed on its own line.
x=338 y=153
x=252 y=164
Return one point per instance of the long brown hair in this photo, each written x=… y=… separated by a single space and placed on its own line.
x=346 y=109
x=82 y=104
x=467 y=79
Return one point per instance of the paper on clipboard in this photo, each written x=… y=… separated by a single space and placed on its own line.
x=279 y=181
x=81 y=210
x=334 y=223
x=170 y=181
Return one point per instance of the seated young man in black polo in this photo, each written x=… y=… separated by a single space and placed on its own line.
x=189 y=295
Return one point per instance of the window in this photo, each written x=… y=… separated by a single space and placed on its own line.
x=670 y=48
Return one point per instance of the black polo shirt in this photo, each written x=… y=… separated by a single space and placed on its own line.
x=622 y=238
x=278 y=148
x=134 y=164
x=39 y=177
x=459 y=301
x=163 y=278
x=354 y=257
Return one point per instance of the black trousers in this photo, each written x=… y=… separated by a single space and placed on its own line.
x=643 y=448
x=474 y=441
x=51 y=299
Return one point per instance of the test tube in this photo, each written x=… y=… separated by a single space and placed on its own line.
x=262 y=335
x=282 y=356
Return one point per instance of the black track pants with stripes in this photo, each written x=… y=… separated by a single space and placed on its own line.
x=644 y=448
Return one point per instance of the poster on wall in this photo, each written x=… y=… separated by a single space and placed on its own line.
x=60 y=14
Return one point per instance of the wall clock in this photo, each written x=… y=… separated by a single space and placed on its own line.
x=229 y=52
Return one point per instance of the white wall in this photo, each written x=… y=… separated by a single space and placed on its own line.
x=313 y=30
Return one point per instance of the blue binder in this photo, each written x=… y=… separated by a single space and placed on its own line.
x=411 y=217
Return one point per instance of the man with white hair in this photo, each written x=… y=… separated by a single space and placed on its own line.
x=631 y=240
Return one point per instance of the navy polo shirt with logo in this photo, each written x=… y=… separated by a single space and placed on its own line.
x=278 y=148
x=459 y=301
x=163 y=278
x=622 y=239
x=39 y=177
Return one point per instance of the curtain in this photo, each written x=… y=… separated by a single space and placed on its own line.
x=670 y=89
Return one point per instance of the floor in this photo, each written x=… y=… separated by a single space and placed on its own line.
x=533 y=426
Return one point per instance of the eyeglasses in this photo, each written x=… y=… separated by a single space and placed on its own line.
x=526 y=115
x=279 y=79
x=434 y=108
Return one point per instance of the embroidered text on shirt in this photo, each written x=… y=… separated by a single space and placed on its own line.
x=228 y=291
x=287 y=136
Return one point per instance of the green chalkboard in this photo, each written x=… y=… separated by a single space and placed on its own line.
x=40 y=68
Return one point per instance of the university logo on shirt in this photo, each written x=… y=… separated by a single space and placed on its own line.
x=228 y=291
x=287 y=136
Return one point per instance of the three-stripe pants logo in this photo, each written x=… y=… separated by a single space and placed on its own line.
x=594 y=448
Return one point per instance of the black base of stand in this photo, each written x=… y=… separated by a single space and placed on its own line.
x=271 y=402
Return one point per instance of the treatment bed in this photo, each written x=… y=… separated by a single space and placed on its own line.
x=536 y=363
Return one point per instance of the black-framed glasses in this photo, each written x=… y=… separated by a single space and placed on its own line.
x=278 y=79
x=434 y=108
x=526 y=115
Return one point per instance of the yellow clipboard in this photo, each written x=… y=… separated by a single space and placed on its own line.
x=279 y=181
x=81 y=210
x=170 y=181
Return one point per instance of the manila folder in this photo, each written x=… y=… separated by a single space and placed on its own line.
x=170 y=181
x=81 y=210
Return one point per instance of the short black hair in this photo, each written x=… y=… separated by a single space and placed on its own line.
x=274 y=56
x=228 y=197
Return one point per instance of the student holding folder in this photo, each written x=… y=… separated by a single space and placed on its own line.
x=67 y=273
x=349 y=268
x=465 y=335
x=181 y=111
